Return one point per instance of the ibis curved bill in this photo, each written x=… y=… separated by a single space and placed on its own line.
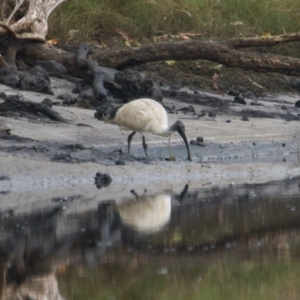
x=145 y=115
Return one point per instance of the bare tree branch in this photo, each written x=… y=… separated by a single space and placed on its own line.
x=263 y=41
x=14 y=11
x=33 y=21
x=52 y=5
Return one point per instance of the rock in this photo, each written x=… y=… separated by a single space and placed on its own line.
x=244 y=118
x=35 y=80
x=174 y=88
x=297 y=103
x=87 y=98
x=87 y=94
x=3 y=96
x=248 y=95
x=47 y=102
x=256 y=104
x=69 y=102
x=39 y=72
x=233 y=92
x=134 y=86
x=201 y=115
x=188 y=110
x=228 y=121
x=294 y=83
x=65 y=96
x=170 y=110
x=52 y=66
x=67 y=99
x=173 y=94
x=9 y=77
x=197 y=143
x=200 y=139
x=77 y=89
x=85 y=84
x=120 y=163
x=212 y=114
x=35 y=83
x=102 y=180
x=239 y=99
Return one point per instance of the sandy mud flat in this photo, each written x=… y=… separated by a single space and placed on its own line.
x=42 y=159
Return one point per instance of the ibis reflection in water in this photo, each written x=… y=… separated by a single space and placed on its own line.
x=137 y=217
x=146 y=115
x=148 y=214
x=43 y=242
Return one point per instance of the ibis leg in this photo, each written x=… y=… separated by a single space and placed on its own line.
x=145 y=146
x=129 y=140
x=170 y=147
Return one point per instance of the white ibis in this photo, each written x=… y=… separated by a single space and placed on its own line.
x=145 y=115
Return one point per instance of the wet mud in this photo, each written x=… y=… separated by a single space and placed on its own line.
x=183 y=105
x=235 y=134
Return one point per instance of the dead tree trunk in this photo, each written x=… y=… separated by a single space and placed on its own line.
x=22 y=22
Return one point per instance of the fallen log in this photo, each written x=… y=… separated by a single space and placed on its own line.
x=224 y=52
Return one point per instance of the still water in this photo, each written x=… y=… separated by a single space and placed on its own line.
x=230 y=242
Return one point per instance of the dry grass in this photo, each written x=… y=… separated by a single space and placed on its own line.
x=144 y=19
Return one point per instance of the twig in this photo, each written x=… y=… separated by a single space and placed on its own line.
x=256 y=84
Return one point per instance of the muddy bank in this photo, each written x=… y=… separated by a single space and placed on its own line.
x=255 y=141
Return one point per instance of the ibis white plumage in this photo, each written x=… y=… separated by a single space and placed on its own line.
x=145 y=115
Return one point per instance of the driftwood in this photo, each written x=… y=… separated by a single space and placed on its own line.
x=98 y=75
x=224 y=52
x=19 y=104
x=26 y=19
x=22 y=22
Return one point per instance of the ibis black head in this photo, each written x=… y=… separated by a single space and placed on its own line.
x=111 y=114
x=180 y=128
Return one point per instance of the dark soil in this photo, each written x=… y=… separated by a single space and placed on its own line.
x=198 y=75
x=60 y=152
